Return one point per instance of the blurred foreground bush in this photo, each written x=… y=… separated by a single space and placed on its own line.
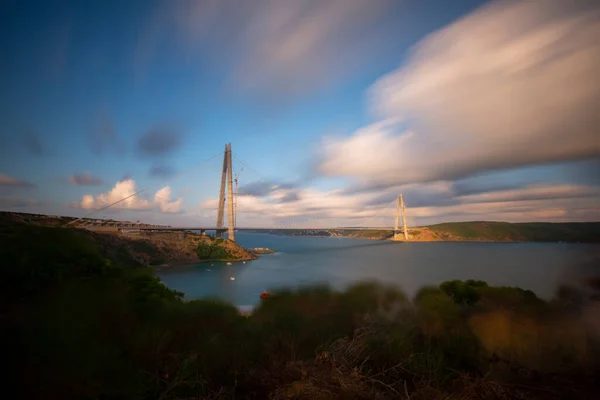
x=79 y=326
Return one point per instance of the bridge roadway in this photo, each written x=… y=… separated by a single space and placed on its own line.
x=224 y=229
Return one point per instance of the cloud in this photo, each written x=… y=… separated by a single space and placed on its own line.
x=306 y=207
x=426 y=203
x=534 y=192
x=159 y=142
x=161 y=171
x=103 y=137
x=84 y=179
x=273 y=48
x=263 y=188
x=550 y=210
x=126 y=189
x=290 y=197
x=468 y=187
x=418 y=195
x=512 y=84
x=6 y=180
x=163 y=199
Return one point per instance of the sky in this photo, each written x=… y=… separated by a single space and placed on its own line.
x=473 y=110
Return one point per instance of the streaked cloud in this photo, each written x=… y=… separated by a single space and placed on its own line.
x=512 y=84
x=9 y=181
x=84 y=179
x=534 y=192
x=263 y=188
x=308 y=202
x=272 y=48
x=127 y=191
x=426 y=204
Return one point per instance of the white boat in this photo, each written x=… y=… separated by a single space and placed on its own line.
x=232 y=278
x=228 y=263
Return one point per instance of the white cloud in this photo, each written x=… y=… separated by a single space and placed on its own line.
x=309 y=207
x=125 y=192
x=163 y=197
x=512 y=84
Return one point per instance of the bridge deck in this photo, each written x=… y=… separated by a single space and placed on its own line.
x=206 y=228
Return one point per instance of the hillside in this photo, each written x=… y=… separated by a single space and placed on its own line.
x=33 y=241
x=588 y=232
x=482 y=231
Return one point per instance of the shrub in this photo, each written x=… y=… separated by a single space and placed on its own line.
x=212 y=251
x=464 y=293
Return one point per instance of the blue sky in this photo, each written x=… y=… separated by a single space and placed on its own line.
x=335 y=104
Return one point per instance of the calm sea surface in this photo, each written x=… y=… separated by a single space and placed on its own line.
x=338 y=262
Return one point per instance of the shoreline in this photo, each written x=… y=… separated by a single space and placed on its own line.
x=436 y=241
x=256 y=252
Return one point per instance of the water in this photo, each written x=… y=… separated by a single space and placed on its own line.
x=539 y=267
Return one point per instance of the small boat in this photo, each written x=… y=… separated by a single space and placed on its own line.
x=232 y=278
x=244 y=262
x=265 y=294
x=228 y=263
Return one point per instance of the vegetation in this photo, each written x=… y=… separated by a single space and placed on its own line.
x=519 y=232
x=585 y=232
x=376 y=235
x=213 y=251
x=81 y=323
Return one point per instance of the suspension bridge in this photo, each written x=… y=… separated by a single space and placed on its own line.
x=227 y=199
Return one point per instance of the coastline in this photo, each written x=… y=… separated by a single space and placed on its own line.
x=256 y=253
x=475 y=232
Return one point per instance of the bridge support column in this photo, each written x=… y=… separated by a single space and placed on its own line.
x=221 y=210
x=400 y=207
x=230 y=218
x=226 y=179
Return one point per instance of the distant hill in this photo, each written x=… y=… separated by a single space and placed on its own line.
x=490 y=231
x=480 y=231
x=519 y=232
x=475 y=231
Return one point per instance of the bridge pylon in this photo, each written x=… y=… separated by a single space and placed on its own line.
x=226 y=180
x=400 y=208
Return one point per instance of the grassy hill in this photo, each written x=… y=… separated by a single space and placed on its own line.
x=491 y=231
x=518 y=232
